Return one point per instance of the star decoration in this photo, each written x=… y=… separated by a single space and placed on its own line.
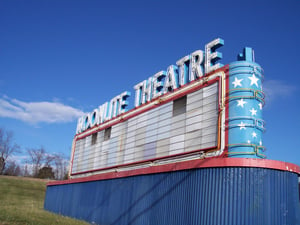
x=253 y=80
x=241 y=103
x=260 y=143
x=237 y=82
x=254 y=134
x=253 y=111
x=260 y=106
x=248 y=141
x=242 y=126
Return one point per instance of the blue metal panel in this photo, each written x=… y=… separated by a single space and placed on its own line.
x=225 y=196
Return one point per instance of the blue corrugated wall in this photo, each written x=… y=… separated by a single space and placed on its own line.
x=210 y=196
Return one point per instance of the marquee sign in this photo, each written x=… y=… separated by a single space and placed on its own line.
x=195 y=109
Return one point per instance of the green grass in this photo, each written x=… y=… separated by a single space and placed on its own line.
x=22 y=202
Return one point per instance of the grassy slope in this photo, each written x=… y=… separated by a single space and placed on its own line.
x=22 y=202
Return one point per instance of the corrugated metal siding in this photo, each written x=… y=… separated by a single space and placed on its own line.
x=231 y=196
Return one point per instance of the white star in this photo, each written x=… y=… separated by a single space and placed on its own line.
x=260 y=106
x=248 y=141
x=254 y=134
x=242 y=126
x=237 y=82
x=254 y=80
x=241 y=103
x=253 y=111
x=260 y=143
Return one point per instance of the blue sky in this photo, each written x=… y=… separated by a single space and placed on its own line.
x=61 y=58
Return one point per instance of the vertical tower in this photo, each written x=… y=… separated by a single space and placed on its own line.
x=246 y=101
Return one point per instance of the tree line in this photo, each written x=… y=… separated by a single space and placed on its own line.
x=37 y=162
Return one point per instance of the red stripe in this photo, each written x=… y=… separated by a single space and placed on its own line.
x=72 y=155
x=193 y=164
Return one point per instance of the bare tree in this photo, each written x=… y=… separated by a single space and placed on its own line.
x=59 y=164
x=49 y=159
x=25 y=171
x=7 y=147
x=39 y=159
x=12 y=169
x=36 y=158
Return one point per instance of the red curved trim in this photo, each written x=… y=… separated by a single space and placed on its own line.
x=199 y=163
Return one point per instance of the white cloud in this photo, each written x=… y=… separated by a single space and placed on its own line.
x=275 y=89
x=38 y=112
